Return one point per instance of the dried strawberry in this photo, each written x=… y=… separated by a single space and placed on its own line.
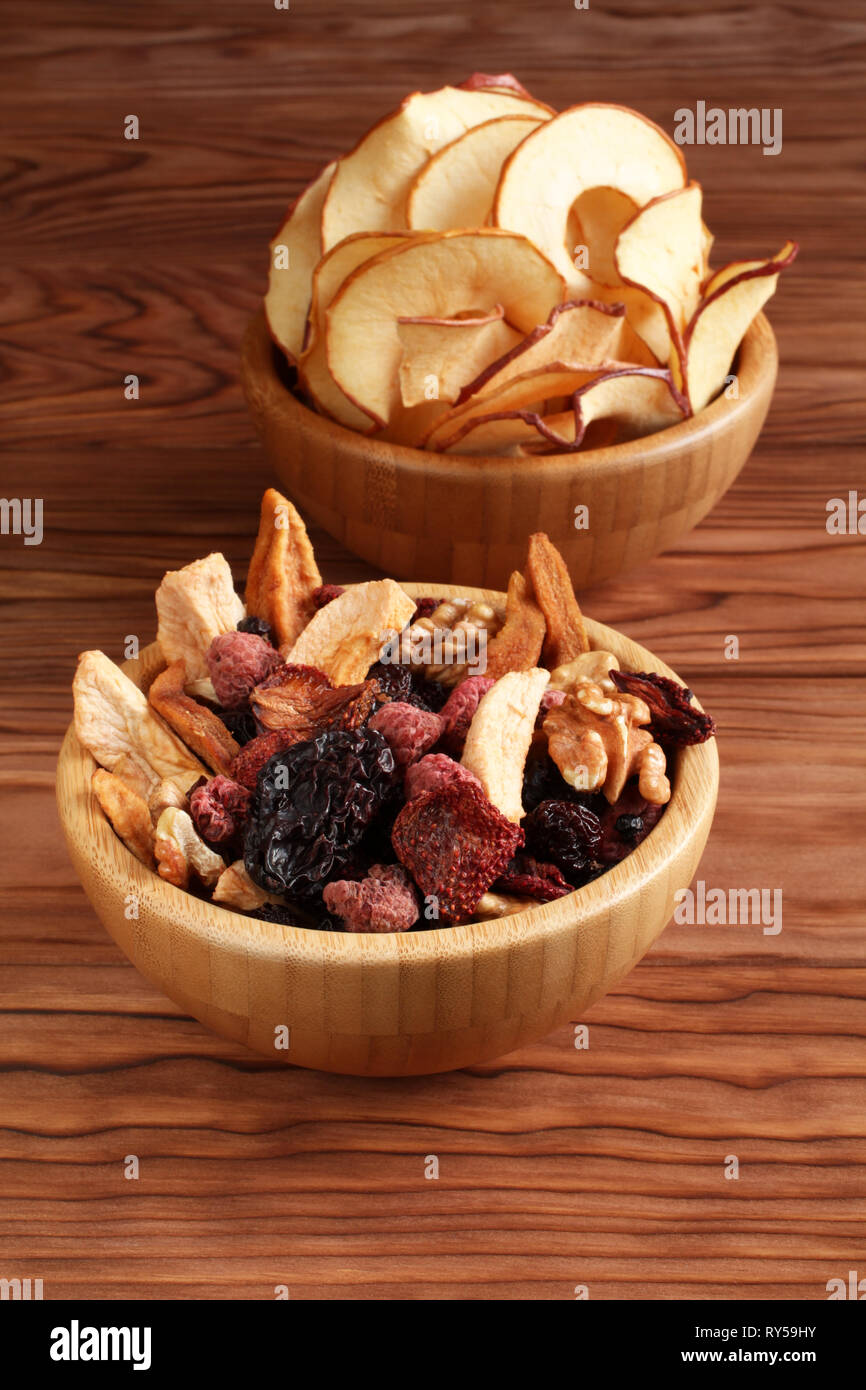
x=326 y=593
x=435 y=771
x=219 y=810
x=459 y=709
x=528 y=878
x=385 y=901
x=409 y=731
x=237 y=662
x=674 y=720
x=455 y=844
x=253 y=756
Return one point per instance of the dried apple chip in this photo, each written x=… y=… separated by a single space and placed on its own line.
x=661 y=251
x=440 y=275
x=590 y=146
x=441 y=355
x=457 y=185
x=732 y=298
x=295 y=250
x=369 y=189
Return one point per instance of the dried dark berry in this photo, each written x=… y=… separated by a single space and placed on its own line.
x=674 y=720
x=528 y=878
x=629 y=827
x=566 y=834
x=543 y=781
x=625 y=824
x=399 y=681
x=312 y=806
x=424 y=607
x=240 y=724
x=258 y=627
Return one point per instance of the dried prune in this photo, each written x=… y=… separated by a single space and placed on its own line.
x=566 y=834
x=674 y=720
x=543 y=781
x=312 y=806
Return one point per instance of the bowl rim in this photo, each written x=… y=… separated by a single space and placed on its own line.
x=693 y=796
x=756 y=357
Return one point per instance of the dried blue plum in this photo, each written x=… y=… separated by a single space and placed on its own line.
x=313 y=804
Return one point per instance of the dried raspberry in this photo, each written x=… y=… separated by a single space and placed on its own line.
x=325 y=593
x=258 y=627
x=625 y=824
x=237 y=662
x=409 y=731
x=253 y=756
x=383 y=902
x=674 y=720
x=528 y=878
x=219 y=810
x=455 y=844
x=435 y=771
x=459 y=709
x=312 y=807
x=567 y=835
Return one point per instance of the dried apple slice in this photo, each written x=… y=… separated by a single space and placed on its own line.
x=595 y=221
x=590 y=146
x=439 y=355
x=646 y=319
x=661 y=250
x=456 y=187
x=529 y=389
x=732 y=298
x=438 y=275
x=330 y=274
x=638 y=400
x=583 y=331
x=290 y=285
x=369 y=189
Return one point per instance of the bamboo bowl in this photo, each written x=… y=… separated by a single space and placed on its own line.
x=466 y=518
x=383 y=1005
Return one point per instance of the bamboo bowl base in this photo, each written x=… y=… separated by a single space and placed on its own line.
x=391 y=1005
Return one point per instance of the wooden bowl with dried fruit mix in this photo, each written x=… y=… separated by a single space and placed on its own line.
x=386 y=830
x=490 y=318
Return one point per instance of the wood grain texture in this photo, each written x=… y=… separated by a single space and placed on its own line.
x=557 y=1166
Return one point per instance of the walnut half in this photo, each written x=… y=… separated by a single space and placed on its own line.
x=598 y=742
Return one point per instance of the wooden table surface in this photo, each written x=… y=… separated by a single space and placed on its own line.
x=559 y=1167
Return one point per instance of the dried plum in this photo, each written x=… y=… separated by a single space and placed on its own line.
x=313 y=804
